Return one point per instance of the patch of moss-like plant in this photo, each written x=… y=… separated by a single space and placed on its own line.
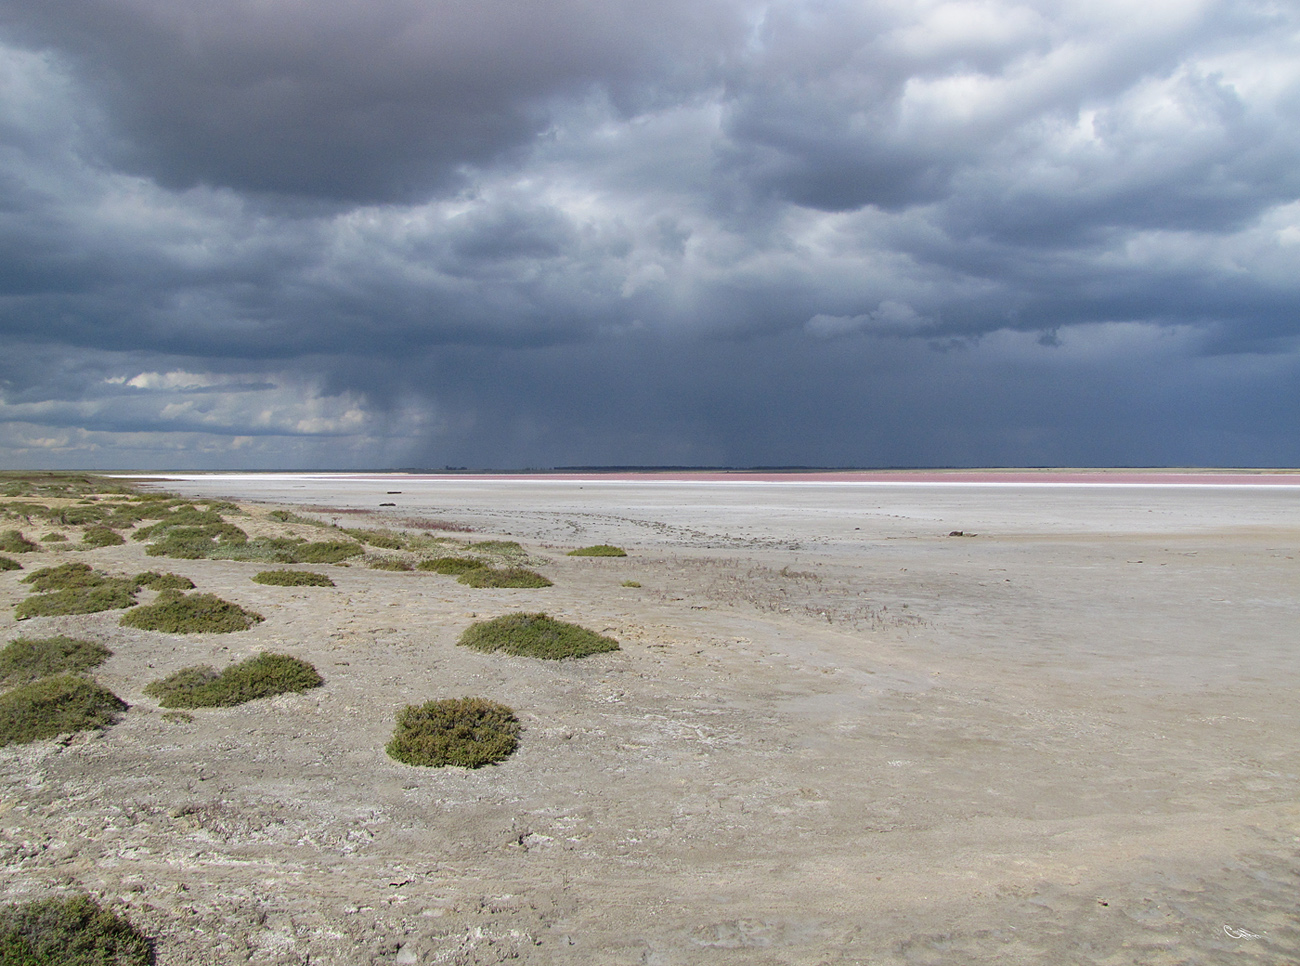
x=497 y=546
x=54 y=538
x=292 y=578
x=168 y=581
x=514 y=577
x=95 y=537
x=55 y=706
x=113 y=594
x=631 y=583
x=9 y=563
x=196 y=542
x=450 y=565
x=261 y=676
x=11 y=541
x=176 y=613
x=599 y=550
x=64 y=577
x=468 y=732
x=27 y=659
x=390 y=563
x=383 y=539
x=70 y=931
x=328 y=551
x=535 y=635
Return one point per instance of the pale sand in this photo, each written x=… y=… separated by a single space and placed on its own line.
x=834 y=735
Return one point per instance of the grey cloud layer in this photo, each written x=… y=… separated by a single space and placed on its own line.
x=570 y=232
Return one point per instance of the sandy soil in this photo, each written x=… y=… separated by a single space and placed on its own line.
x=834 y=734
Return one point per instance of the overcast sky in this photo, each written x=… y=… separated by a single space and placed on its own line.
x=535 y=233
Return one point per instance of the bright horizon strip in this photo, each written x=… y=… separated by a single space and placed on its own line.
x=1109 y=480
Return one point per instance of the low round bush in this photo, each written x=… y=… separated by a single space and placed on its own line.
x=54 y=706
x=26 y=659
x=110 y=595
x=390 y=563
x=70 y=931
x=64 y=577
x=468 y=732
x=535 y=635
x=94 y=537
x=11 y=541
x=450 y=565
x=9 y=563
x=262 y=676
x=169 y=581
x=55 y=538
x=292 y=578
x=505 y=577
x=176 y=613
x=599 y=550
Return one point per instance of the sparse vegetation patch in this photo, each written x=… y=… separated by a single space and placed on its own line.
x=156 y=581
x=383 y=539
x=261 y=676
x=26 y=659
x=515 y=577
x=54 y=706
x=292 y=578
x=9 y=563
x=54 y=538
x=450 y=565
x=599 y=550
x=111 y=594
x=72 y=931
x=390 y=563
x=535 y=635
x=177 y=613
x=468 y=732
x=12 y=541
x=94 y=537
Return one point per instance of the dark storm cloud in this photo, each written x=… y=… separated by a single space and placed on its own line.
x=356 y=101
x=337 y=233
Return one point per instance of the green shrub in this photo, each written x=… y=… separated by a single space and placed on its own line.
x=64 y=577
x=383 y=539
x=599 y=550
x=450 y=565
x=93 y=537
x=193 y=542
x=262 y=676
x=284 y=516
x=72 y=931
x=631 y=583
x=176 y=613
x=54 y=706
x=514 y=577
x=11 y=541
x=469 y=732
x=25 y=659
x=54 y=538
x=328 y=551
x=9 y=563
x=497 y=546
x=156 y=581
x=390 y=563
x=535 y=635
x=110 y=595
x=292 y=578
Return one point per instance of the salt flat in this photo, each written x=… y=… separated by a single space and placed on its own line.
x=834 y=734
